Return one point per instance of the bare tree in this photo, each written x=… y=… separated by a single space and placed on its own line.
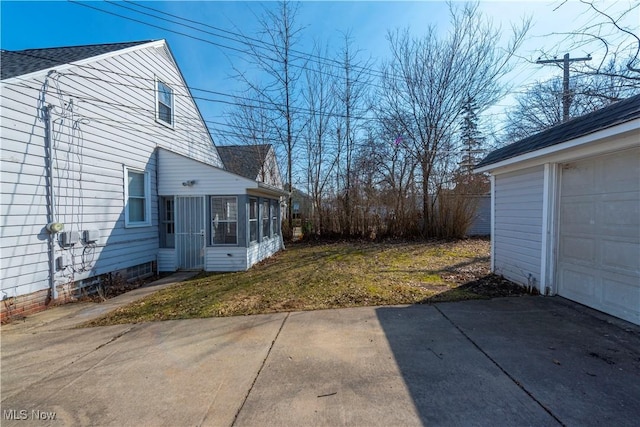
x=250 y=121
x=274 y=57
x=321 y=156
x=394 y=171
x=351 y=92
x=427 y=82
x=613 y=34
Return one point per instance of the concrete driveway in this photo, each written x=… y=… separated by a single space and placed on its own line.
x=510 y=361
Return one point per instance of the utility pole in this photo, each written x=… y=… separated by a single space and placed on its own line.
x=566 y=96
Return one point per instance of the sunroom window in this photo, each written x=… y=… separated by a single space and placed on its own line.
x=274 y=217
x=224 y=220
x=253 y=220
x=265 y=219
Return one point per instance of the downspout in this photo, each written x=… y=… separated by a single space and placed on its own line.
x=52 y=226
x=158 y=204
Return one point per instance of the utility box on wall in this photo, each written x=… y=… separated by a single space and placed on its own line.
x=63 y=261
x=91 y=236
x=69 y=238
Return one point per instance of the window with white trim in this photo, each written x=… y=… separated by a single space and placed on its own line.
x=224 y=220
x=253 y=220
x=164 y=103
x=137 y=194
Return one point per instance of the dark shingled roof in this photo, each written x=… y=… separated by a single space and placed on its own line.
x=244 y=160
x=19 y=62
x=614 y=114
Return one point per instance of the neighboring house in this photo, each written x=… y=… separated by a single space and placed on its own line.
x=109 y=173
x=566 y=210
x=256 y=162
x=301 y=206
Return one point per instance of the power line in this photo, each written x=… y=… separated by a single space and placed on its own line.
x=300 y=54
x=258 y=105
x=235 y=97
x=254 y=53
x=126 y=122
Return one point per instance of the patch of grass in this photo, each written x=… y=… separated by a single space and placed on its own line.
x=321 y=276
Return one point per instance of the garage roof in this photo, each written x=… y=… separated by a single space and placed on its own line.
x=614 y=114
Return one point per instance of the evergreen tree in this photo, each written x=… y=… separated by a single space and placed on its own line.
x=471 y=137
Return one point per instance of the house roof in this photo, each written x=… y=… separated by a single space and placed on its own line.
x=614 y=114
x=15 y=63
x=244 y=160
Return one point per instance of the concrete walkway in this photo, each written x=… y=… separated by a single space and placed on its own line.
x=511 y=361
x=67 y=316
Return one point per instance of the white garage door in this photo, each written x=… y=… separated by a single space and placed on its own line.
x=599 y=233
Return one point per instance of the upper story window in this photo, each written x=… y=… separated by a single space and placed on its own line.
x=137 y=195
x=164 y=103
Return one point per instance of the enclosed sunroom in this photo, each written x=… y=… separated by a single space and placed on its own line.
x=214 y=220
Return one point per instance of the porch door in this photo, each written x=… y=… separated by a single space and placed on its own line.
x=190 y=232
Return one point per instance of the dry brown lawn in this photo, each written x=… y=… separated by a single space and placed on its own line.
x=329 y=275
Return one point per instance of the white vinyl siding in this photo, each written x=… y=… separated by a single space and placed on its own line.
x=167 y=260
x=226 y=258
x=113 y=97
x=257 y=253
x=177 y=169
x=517 y=238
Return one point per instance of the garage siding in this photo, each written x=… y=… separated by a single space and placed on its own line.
x=517 y=235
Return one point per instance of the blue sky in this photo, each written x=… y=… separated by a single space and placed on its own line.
x=27 y=24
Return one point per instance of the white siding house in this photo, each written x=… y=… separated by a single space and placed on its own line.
x=227 y=237
x=83 y=133
x=566 y=210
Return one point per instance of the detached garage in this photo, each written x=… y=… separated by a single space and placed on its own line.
x=566 y=210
